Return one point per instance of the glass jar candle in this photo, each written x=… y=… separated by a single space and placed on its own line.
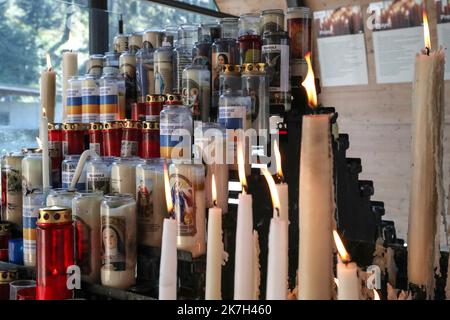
x=153 y=107
x=249 y=38
x=69 y=166
x=151 y=201
x=150 y=140
x=196 y=91
x=187 y=187
x=138 y=111
x=176 y=128
x=135 y=42
x=118 y=236
x=112 y=60
x=120 y=43
x=31 y=204
x=163 y=70
x=7 y=275
x=224 y=51
x=98 y=174
x=96 y=138
x=5 y=236
x=55 y=247
x=73 y=99
x=90 y=100
x=299 y=27
x=86 y=215
x=201 y=52
x=152 y=38
x=272 y=20
x=73 y=138
x=182 y=54
x=94 y=65
x=12 y=196
x=123 y=175
x=55 y=138
x=60 y=197
x=145 y=76
x=170 y=36
x=109 y=96
x=128 y=71
x=112 y=138
x=31 y=173
x=131 y=138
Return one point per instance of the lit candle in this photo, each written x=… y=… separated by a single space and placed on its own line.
x=316 y=204
x=214 y=249
x=244 y=257
x=43 y=133
x=282 y=187
x=48 y=91
x=69 y=69
x=426 y=196
x=168 y=263
x=277 y=268
x=347 y=273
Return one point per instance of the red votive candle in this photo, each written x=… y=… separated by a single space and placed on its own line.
x=7 y=275
x=55 y=139
x=54 y=253
x=73 y=138
x=138 y=111
x=131 y=138
x=150 y=140
x=112 y=137
x=96 y=137
x=5 y=236
x=153 y=106
x=27 y=294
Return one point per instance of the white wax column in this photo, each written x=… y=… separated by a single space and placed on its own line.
x=316 y=209
x=168 y=266
x=426 y=200
x=47 y=93
x=214 y=255
x=282 y=190
x=69 y=69
x=347 y=274
x=220 y=172
x=43 y=133
x=277 y=269
x=243 y=272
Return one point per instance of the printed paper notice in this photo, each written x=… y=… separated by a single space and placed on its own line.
x=443 y=31
x=341 y=46
x=397 y=38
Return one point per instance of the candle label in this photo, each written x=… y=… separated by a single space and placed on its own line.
x=276 y=57
x=68 y=172
x=232 y=117
x=183 y=198
x=113 y=243
x=163 y=77
x=98 y=180
x=55 y=149
x=94 y=147
x=148 y=223
x=83 y=245
x=13 y=185
x=129 y=148
x=31 y=204
x=218 y=59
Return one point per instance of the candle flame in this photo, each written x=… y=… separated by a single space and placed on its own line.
x=241 y=167
x=49 y=62
x=376 y=296
x=272 y=187
x=39 y=142
x=44 y=112
x=310 y=83
x=167 y=190
x=341 y=248
x=426 y=30
x=278 y=159
x=213 y=189
x=336 y=281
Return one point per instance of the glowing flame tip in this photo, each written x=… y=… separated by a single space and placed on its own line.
x=426 y=30
x=49 y=62
x=167 y=190
x=278 y=159
x=310 y=83
x=241 y=168
x=213 y=189
x=345 y=256
x=272 y=187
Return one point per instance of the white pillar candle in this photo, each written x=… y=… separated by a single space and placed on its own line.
x=123 y=175
x=347 y=274
x=69 y=69
x=277 y=268
x=426 y=196
x=256 y=266
x=43 y=134
x=168 y=266
x=48 y=91
x=316 y=206
x=282 y=190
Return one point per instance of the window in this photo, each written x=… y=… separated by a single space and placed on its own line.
x=210 y=4
x=28 y=30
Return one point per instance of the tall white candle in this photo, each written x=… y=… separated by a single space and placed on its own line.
x=426 y=200
x=168 y=263
x=244 y=255
x=69 y=69
x=347 y=273
x=43 y=133
x=48 y=91
x=214 y=250
x=316 y=206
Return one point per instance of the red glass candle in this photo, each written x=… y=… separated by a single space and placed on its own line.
x=150 y=140
x=73 y=138
x=27 y=294
x=54 y=253
x=172 y=99
x=131 y=138
x=5 y=236
x=96 y=137
x=7 y=275
x=138 y=111
x=112 y=137
x=250 y=48
x=55 y=138
x=153 y=106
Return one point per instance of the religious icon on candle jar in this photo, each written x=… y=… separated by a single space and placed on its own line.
x=190 y=94
x=144 y=201
x=219 y=59
x=113 y=243
x=183 y=199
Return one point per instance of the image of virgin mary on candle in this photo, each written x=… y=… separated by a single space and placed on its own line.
x=190 y=94
x=183 y=198
x=113 y=245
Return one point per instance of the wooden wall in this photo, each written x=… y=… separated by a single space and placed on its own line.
x=377 y=117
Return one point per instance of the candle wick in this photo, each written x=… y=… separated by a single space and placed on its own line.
x=427 y=50
x=277 y=210
x=215 y=203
